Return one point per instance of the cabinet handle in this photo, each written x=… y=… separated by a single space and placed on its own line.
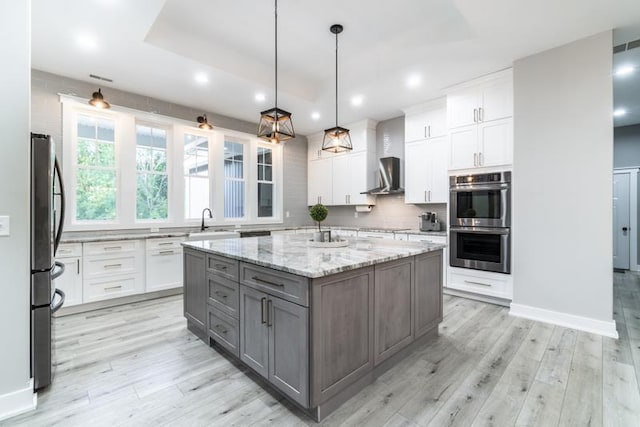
x=78 y=266
x=475 y=159
x=220 y=266
x=425 y=195
x=480 y=162
x=266 y=282
x=221 y=329
x=165 y=243
x=471 y=282
x=269 y=308
x=112 y=266
x=319 y=199
x=220 y=294
x=112 y=248
x=480 y=114
x=429 y=195
x=429 y=131
x=263 y=311
x=113 y=287
x=165 y=252
x=425 y=131
x=475 y=115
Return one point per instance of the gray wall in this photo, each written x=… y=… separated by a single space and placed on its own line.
x=626 y=154
x=15 y=18
x=46 y=116
x=390 y=211
x=563 y=158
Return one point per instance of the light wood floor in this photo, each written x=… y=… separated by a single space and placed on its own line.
x=138 y=365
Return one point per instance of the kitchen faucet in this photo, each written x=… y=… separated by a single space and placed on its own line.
x=202 y=226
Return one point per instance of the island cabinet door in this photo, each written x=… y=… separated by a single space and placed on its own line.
x=289 y=349
x=195 y=289
x=428 y=292
x=393 y=308
x=254 y=333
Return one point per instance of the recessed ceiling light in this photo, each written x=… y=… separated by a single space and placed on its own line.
x=357 y=100
x=201 y=78
x=413 y=81
x=315 y=115
x=86 y=42
x=624 y=70
x=260 y=97
x=618 y=112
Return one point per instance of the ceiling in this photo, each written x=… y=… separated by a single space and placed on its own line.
x=157 y=47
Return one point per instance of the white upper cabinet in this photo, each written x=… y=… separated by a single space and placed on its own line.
x=426 y=171
x=479 y=116
x=425 y=121
x=338 y=179
x=482 y=100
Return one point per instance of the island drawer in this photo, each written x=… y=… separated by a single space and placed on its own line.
x=278 y=283
x=223 y=294
x=225 y=267
x=223 y=329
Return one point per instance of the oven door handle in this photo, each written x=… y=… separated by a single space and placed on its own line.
x=474 y=187
x=481 y=230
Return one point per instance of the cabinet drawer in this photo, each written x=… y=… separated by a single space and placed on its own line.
x=223 y=294
x=68 y=250
x=284 y=285
x=427 y=238
x=225 y=267
x=223 y=329
x=109 y=266
x=164 y=243
x=164 y=269
x=119 y=246
x=491 y=286
x=112 y=287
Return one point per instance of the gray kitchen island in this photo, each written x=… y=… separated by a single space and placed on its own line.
x=318 y=324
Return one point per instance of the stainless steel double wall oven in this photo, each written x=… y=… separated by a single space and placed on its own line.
x=480 y=221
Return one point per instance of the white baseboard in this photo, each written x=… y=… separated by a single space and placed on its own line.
x=594 y=326
x=18 y=402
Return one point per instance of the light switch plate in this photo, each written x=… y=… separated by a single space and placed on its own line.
x=5 y=225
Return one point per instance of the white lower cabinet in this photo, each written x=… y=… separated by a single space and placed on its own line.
x=480 y=282
x=164 y=264
x=112 y=269
x=70 y=254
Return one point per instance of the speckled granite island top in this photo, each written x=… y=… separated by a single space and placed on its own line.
x=291 y=253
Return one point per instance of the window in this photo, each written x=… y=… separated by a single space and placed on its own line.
x=233 y=179
x=265 y=182
x=196 y=175
x=96 y=169
x=152 y=198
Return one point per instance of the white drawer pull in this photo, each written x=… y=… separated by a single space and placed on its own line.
x=165 y=244
x=477 y=283
x=113 y=287
x=112 y=248
x=112 y=266
x=165 y=252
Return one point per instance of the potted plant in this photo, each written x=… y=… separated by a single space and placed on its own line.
x=318 y=213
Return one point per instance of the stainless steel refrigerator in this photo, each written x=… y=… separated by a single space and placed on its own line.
x=47 y=193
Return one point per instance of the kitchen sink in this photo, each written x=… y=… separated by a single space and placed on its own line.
x=212 y=235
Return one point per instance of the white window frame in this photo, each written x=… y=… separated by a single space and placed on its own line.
x=273 y=181
x=126 y=120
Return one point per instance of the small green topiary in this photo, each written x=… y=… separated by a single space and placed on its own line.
x=318 y=213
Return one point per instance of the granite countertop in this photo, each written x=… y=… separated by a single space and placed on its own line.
x=107 y=237
x=290 y=253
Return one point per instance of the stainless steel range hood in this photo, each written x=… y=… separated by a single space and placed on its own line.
x=389 y=177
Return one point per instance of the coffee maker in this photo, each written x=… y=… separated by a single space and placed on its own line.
x=429 y=222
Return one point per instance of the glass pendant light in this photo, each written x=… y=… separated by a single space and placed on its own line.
x=275 y=124
x=97 y=100
x=204 y=123
x=337 y=139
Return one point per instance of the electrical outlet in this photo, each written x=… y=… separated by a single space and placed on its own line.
x=287 y=214
x=355 y=214
x=5 y=225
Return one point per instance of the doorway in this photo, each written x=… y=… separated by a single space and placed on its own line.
x=625 y=235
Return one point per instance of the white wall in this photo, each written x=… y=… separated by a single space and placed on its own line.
x=563 y=163
x=15 y=45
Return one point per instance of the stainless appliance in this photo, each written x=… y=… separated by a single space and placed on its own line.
x=46 y=185
x=480 y=222
x=429 y=222
x=389 y=177
x=482 y=200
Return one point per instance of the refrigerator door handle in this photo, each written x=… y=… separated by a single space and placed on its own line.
x=57 y=273
x=56 y=307
x=62 y=207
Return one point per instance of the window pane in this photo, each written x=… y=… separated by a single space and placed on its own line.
x=196 y=196
x=196 y=175
x=267 y=156
x=86 y=127
x=106 y=130
x=106 y=154
x=159 y=137
x=87 y=152
x=96 y=195
x=267 y=173
x=265 y=200
x=143 y=159
x=233 y=199
x=160 y=160
x=152 y=200
x=143 y=136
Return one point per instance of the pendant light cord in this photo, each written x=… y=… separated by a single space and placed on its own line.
x=336 y=79
x=276 y=38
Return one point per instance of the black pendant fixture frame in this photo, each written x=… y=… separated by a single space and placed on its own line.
x=97 y=100
x=337 y=139
x=203 y=122
x=275 y=123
